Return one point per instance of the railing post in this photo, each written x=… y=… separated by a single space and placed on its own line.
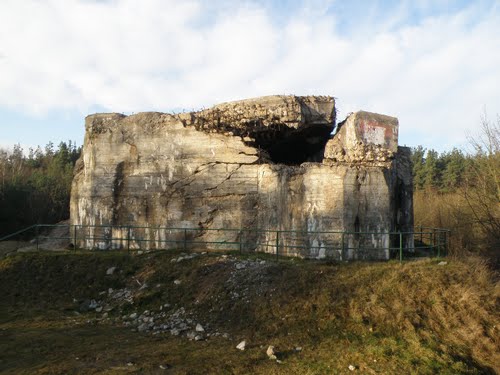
x=75 y=247
x=421 y=234
x=434 y=239
x=185 y=240
x=447 y=239
x=343 y=245
x=240 y=242
x=277 y=244
x=359 y=245
x=128 y=239
x=400 y=247
x=431 y=240
x=439 y=244
x=36 y=234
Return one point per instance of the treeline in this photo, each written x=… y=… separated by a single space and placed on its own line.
x=455 y=190
x=35 y=186
x=461 y=191
x=444 y=172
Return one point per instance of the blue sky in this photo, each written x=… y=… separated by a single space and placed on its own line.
x=433 y=64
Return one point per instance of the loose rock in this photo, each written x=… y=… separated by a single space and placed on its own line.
x=241 y=345
x=270 y=352
x=174 y=332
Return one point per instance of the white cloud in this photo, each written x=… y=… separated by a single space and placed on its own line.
x=436 y=74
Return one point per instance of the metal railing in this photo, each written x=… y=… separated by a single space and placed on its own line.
x=337 y=245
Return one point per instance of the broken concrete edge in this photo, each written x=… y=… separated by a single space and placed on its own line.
x=282 y=129
x=371 y=129
x=287 y=109
x=364 y=137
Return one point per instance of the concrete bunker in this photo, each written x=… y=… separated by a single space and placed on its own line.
x=268 y=168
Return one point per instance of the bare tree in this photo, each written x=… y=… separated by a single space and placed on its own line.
x=482 y=187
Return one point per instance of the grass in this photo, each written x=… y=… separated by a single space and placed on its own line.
x=417 y=318
x=451 y=210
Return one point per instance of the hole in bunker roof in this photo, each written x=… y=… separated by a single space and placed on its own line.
x=288 y=146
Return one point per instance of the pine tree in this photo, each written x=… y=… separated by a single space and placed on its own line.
x=417 y=158
x=431 y=170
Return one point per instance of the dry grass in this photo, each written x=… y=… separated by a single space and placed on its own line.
x=452 y=211
x=453 y=308
x=418 y=317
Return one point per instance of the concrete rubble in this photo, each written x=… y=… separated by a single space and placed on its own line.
x=170 y=318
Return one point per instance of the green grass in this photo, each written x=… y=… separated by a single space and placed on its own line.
x=417 y=318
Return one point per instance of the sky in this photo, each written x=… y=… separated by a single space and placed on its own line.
x=433 y=64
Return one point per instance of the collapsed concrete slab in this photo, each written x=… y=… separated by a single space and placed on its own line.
x=257 y=166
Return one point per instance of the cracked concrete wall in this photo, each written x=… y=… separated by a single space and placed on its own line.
x=223 y=168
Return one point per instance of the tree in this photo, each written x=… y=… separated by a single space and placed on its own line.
x=482 y=186
x=35 y=188
x=417 y=158
x=453 y=167
x=431 y=170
